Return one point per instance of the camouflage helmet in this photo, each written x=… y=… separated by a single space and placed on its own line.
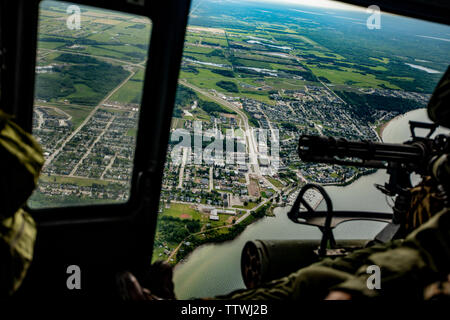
x=439 y=105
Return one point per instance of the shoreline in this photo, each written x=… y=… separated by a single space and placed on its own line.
x=385 y=124
x=315 y=198
x=241 y=229
x=236 y=230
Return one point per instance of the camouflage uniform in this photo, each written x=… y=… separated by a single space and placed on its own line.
x=21 y=160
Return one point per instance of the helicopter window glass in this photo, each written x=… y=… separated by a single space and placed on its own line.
x=263 y=74
x=89 y=81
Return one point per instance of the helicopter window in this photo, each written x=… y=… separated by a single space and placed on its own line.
x=254 y=77
x=90 y=70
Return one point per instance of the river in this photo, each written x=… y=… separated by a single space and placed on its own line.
x=214 y=269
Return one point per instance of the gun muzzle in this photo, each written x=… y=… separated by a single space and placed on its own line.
x=358 y=153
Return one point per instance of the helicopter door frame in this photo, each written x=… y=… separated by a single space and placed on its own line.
x=127 y=230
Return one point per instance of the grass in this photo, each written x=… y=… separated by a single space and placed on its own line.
x=217 y=41
x=402 y=78
x=191 y=48
x=132 y=132
x=253 y=63
x=250 y=205
x=202 y=117
x=45 y=58
x=382 y=60
x=204 y=79
x=78 y=113
x=205 y=58
x=82 y=182
x=157 y=250
x=378 y=68
x=139 y=76
x=324 y=54
x=49 y=45
x=207 y=80
x=130 y=92
x=125 y=49
x=82 y=91
x=54 y=112
x=98 y=51
x=177 y=209
x=258 y=95
x=177 y=123
x=349 y=76
x=275 y=182
x=287 y=84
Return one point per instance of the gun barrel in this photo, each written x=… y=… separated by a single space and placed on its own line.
x=372 y=154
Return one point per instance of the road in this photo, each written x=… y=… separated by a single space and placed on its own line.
x=251 y=142
x=183 y=163
x=334 y=93
x=211 y=179
x=108 y=167
x=85 y=155
x=273 y=141
x=40 y=118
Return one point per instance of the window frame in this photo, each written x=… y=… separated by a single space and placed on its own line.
x=169 y=20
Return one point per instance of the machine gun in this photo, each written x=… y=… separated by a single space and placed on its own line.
x=265 y=260
x=400 y=160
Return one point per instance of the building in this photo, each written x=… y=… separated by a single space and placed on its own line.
x=213 y=216
x=227 y=211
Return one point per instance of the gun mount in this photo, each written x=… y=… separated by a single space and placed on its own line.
x=264 y=260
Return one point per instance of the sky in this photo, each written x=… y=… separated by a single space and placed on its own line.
x=318 y=4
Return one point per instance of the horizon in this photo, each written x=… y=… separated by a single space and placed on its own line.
x=323 y=4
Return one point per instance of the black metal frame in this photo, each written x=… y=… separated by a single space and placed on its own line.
x=71 y=235
x=164 y=57
x=327 y=220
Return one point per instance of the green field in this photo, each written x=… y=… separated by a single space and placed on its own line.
x=178 y=209
x=130 y=92
x=382 y=60
x=78 y=113
x=83 y=91
x=275 y=182
x=49 y=45
x=132 y=132
x=82 y=182
x=348 y=76
x=250 y=205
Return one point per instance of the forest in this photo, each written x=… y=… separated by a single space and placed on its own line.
x=81 y=80
x=364 y=105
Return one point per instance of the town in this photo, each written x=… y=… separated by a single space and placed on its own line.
x=244 y=98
